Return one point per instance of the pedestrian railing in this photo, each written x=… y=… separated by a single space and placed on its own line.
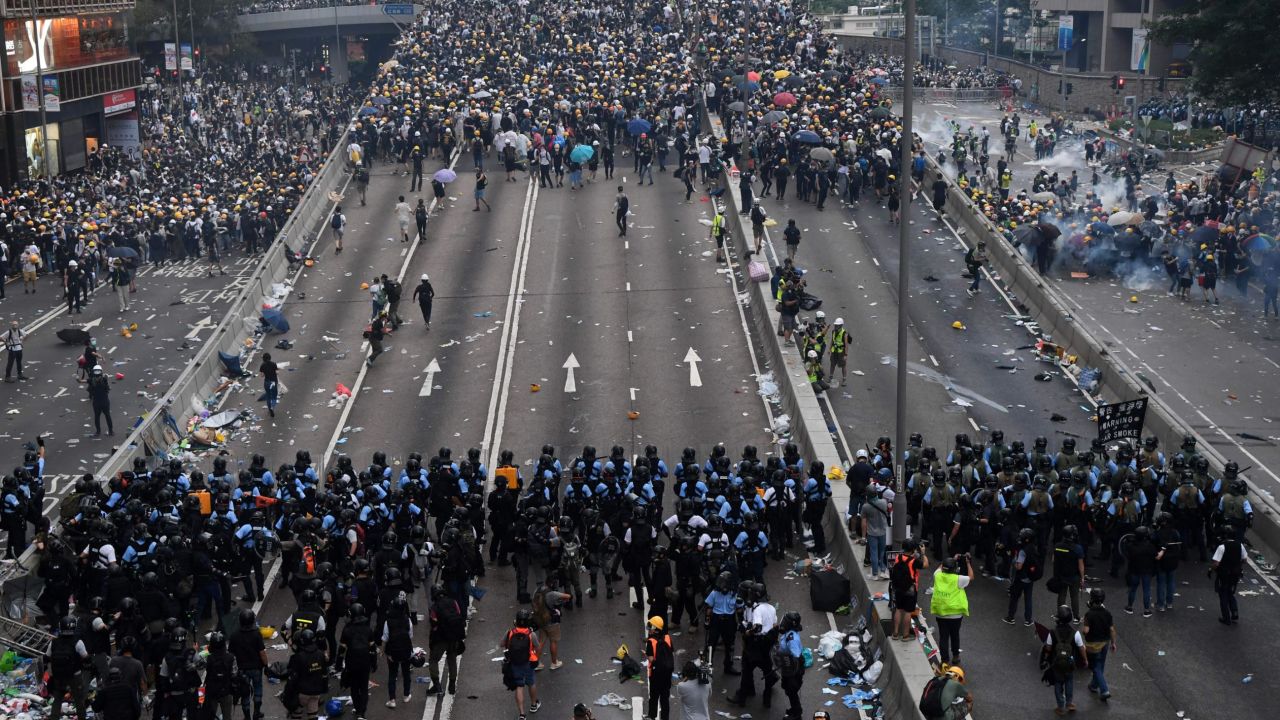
x=946 y=95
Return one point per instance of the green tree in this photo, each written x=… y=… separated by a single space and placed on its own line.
x=1234 y=56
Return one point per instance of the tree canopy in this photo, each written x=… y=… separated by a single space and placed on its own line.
x=1234 y=57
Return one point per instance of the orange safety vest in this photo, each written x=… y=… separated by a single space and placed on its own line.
x=653 y=650
x=533 y=648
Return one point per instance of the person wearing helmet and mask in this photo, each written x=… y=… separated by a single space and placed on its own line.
x=722 y=608
x=1063 y=649
x=662 y=662
x=73 y=280
x=839 y=353
x=116 y=700
x=1142 y=556
x=67 y=659
x=308 y=675
x=521 y=655
x=1100 y=637
x=220 y=676
x=397 y=643
x=1027 y=569
x=357 y=658
x=813 y=367
x=953 y=700
x=790 y=662
x=100 y=397
x=424 y=294
x=250 y=651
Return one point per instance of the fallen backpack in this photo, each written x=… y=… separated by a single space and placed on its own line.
x=931 y=698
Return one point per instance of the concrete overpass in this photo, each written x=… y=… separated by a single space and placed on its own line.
x=322 y=24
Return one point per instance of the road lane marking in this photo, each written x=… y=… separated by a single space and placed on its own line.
x=432 y=368
x=695 y=377
x=570 y=364
x=510 y=328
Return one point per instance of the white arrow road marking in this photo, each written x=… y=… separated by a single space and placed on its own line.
x=91 y=324
x=570 y=385
x=431 y=371
x=695 y=378
x=206 y=323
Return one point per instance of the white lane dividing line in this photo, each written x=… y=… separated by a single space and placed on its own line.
x=874 y=260
x=1273 y=362
x=933 y=360
x=61 y=391
x=628 y=287
x=510 y=328
x=974 y=423
x=633 y=393
x=631 y=338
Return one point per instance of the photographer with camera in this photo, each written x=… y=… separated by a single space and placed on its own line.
x=693 y=692
x=950 y=604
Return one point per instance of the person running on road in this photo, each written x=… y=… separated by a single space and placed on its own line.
x=404 y=215
x=420 y=214
x=377 y=331
x=30 y=266
x=482 y=182
x=792 y=236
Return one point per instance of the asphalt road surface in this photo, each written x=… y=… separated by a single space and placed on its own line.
x=175 y=308
x=1179 y=661
x=519 y=290
x=1213 y=364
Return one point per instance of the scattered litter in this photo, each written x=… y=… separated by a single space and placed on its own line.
x=1247 y=679
x=485 y=314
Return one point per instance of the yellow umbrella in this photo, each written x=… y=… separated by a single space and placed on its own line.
x=780 y=74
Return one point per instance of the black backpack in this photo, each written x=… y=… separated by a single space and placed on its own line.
x=451 y=622
x=218 y=675
x=1032 y=565
x=931 y=698
x=518 y=647
x=664 y=660
x=1063 y=660
x=336 y=221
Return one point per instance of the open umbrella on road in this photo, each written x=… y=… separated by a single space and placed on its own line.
x=274 y=319
x=368 y=110
x=783 y=99
x=753 y=76
x=638 y=126
x=1043 y=197
x=481 y=94
x=445 y=175
x=737 y=106
x=381 y=100
x=807 y=137
x=1101 y=229
x=773 y=116
x=1050 y=232
x=822 y=154
x=73 y=336
x=877 y=80
x=885 y=153
x=881 y=113
x=1029 y=235
x=121 y=251
x=781 y=74
x=582 y=153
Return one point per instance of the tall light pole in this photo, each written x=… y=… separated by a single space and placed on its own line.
x=1062 y=67
x=337 y=42
x=44 y=122
x=995 y=46
x=904 y=258
x=177 y=56
x=191 y=22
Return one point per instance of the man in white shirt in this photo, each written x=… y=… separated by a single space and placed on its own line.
x=758 y=621
x=404 y=214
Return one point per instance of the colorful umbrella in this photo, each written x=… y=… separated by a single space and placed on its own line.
x=780 y=74
x=445 y=175
x=638 y=126
x=807 y=137
x=582 y=153
x=1259 y=241
x=783 y=99
x=753 y=76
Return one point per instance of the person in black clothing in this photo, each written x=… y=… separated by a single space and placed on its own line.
x=394 y=293
x=251 y=657
x=940 y=195
x=270 y=382
x=357 y=658
x=420 y=217
x=448 y=635
x=67 y=659
x=1228 y=567
x=377 y=331
x=72 y=284
x=117 y=701
x=308 y=673
x=621 y=205
x=100 y=395
x=415 y=180
x=424 y=294
x=1141 y=554
x=397 y=644
x=220 y=673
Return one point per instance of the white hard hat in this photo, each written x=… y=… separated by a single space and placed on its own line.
x=862 y=453
x=72 y=263
x=813 y=353
x=424 y=276
x=839 y=321
x=97 y=369
x=821 y=314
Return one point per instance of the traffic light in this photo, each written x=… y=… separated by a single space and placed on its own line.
x=1160 y=84
x=1070 y=89
x=1120 y=83
x=1115 y=82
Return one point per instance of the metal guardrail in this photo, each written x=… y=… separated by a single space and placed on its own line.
x=946 y=95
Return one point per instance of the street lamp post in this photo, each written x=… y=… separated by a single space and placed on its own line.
x=177 y=53
x=904 y=275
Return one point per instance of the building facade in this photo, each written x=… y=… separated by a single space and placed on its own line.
x=1109 y=36
x=71 y=62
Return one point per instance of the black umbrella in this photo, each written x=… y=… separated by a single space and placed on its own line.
x=1029 y=235
x=738 y=106
x=792 y=81
x=1050 y=232
x=773 y=116
x=73 y=336
x=121 y=251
